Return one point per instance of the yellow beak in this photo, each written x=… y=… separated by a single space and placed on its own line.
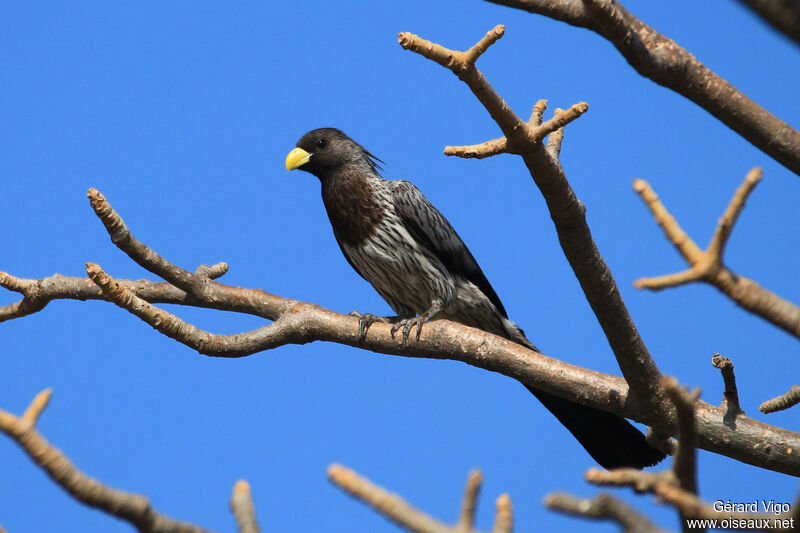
x=297 y=158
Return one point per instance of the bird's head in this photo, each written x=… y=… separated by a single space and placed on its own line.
x=323 y=151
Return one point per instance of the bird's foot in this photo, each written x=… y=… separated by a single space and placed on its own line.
x=365 y=320
x=408 y=323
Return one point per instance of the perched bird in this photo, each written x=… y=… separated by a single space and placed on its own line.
x=402 y=245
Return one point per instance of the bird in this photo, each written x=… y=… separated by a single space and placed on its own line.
x=406 y=249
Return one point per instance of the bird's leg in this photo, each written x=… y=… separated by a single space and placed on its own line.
x=365 y=320
x=408 y=323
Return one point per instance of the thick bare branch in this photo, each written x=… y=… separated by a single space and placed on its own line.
x=569 y=216
x=708 y=265
x=299 y=323
x=665 y=62
x=243 y=509
x=783 y=15
x=603 y=507
x=786 y=400
x=132 y=508
x=282 y=331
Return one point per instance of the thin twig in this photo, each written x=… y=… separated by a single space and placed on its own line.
x=132 y=508
x=730 y=398
x=504 y=515
x=690 y=505
x=212 y=271
x=243 y=509
x=192 y=284
x=555 y=140
x=282 y=331
x=603 y=507
x=661 y=59
x=707 y=265
x=537 y=131
x=469 y=503
x=786 y=400
x=384 y=502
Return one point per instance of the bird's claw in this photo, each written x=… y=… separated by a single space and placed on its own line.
x=407 y=324
x=365 y=320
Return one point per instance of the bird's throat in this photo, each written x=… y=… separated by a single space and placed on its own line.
x=353 y=205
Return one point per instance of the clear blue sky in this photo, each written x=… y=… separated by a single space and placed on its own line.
x=181 y=113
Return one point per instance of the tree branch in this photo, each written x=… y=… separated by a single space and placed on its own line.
x=786 y=400
x=396 y=509
x=469 y=503
x=569 y=216
x=782 y=15
x=602 y=507
x=132 y=508
x=730 y=398
x=243 y=509
x=678 y=486
x=662 y=60
x=392 y=506
x=690 y=505
x=299 y=322
x=553 y=127
x=708 y=265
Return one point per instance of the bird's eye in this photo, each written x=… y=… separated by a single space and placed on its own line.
x=322 y=143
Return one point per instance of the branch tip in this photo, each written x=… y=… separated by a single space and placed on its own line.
x=241 y=487
x=640 y=185
x=243 y=509
x=491 y=37
x=37 y=407
x=537 y=113
x=469 y=503
x=504 y=519
x=786 y=400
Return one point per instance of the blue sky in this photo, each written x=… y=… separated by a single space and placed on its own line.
x=181 y=113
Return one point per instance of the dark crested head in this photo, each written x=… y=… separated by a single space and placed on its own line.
x=324 y=150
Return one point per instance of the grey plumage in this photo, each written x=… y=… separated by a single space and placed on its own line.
x=402 y=245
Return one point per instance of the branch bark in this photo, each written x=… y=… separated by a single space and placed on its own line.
x=661 y=59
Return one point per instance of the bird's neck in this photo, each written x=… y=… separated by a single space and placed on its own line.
x=354 y=205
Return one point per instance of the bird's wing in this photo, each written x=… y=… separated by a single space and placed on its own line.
x=430 y=229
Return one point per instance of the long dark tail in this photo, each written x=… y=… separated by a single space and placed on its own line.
x=611 y=440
